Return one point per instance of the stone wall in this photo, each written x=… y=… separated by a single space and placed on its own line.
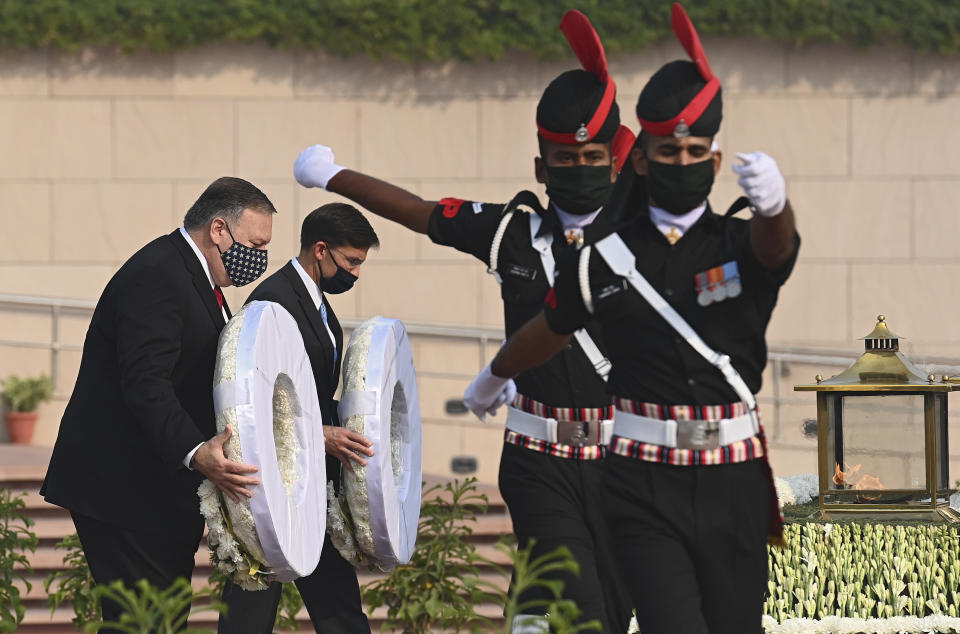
x=101 y=153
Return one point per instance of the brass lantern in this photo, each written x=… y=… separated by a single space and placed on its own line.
x=882 y=437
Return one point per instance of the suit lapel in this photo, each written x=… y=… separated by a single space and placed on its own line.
x=200 y=280
x=309 y=309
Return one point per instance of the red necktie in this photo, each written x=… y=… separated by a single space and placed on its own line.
x=219 y=294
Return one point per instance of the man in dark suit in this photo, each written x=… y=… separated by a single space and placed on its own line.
x=138 y=434
x=334 y=242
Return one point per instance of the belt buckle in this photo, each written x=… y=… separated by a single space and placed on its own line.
x=698 y=434
x=573 y=433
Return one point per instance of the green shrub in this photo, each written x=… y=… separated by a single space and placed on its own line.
x=460 y=29
x=73 y=583
x=528 y=573
x=16 y=539
x=440 y=586
x=149 y=610
x=25 y=395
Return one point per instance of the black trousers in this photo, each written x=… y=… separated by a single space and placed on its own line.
x=691 y=543
x=558 y=501
x=129 y=555
x=330 y=593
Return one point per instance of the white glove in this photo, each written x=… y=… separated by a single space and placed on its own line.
x=762 y=182
x=315 y=167
x=487 y=392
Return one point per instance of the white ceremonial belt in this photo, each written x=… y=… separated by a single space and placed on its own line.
x=684 y=434
x=564 y=432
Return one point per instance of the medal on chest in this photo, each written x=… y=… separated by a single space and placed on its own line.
x=574 y=236
x=719 y=283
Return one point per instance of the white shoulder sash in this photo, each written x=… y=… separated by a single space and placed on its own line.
x=622 y=261
x=542 y=245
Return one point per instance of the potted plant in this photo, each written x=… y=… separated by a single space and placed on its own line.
x=21 y=397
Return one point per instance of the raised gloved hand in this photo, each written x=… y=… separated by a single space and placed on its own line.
x=487 y=393
x=315 y=167
x=762 y=183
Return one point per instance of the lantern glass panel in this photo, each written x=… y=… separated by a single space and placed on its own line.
x=943 y=445
x=876 y=442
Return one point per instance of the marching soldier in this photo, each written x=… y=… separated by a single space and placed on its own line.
x=683 y=296
x=559 y=423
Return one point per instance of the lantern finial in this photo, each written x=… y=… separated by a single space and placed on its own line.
x=881 y=368
x=881 y=338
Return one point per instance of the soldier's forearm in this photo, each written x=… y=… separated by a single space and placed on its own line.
x=383 y=199
x=772 y=238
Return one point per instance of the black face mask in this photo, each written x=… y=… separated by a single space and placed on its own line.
x=340 y=282
x=679 y=188
x=579 y=189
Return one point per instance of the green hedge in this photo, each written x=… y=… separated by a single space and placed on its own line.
x=460 y=29
x=865 y=570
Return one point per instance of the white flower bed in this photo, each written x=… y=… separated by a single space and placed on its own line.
x=797 y=489
x=838 y=625
x=802 y=488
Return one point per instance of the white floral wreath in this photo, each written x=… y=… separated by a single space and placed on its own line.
x=350 y=519
x=236 y=548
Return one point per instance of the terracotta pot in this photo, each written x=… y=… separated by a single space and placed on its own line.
x=20 y=425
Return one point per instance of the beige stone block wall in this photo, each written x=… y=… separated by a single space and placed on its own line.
x=233 y=70
x=100 y=221
x=24 y=74
x=270 y=129
x=55 y=139
x=103 y=152
x=170 y=139
x=99 y=73
x=20 y=201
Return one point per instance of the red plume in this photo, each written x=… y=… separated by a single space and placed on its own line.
x=585 y=43
x=683 y=28
x=622 y=144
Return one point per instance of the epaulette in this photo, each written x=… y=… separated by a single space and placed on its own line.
x=740 y=203
x=524 y=201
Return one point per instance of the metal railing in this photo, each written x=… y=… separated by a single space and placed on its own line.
x=780 y=358
x=57 y=306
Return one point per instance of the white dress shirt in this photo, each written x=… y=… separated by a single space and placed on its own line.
x=206 y=269
x=315 y=295
x=664 y=220
x=575 y=221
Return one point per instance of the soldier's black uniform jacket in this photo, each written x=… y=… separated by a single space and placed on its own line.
x=651 y=362
x=569 y=379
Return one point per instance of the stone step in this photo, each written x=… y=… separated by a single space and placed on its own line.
x=35 y=504
x=47 y=558
x=39 y=620
x=24 y=472
x=36 y=594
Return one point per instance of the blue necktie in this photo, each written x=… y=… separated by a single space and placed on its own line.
x=323 y=315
